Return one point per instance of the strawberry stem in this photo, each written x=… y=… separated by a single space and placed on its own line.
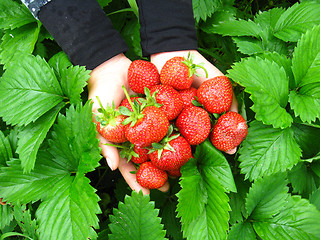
x=193 y=67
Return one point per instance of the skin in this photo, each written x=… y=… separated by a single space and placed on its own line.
x=106 y=82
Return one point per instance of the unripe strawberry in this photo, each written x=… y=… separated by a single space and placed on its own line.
x=216 y=94
x=194 y=124
x=142 y=74
x=151 y=177
x=229 y=131
x=169 y=98
x=188 y=95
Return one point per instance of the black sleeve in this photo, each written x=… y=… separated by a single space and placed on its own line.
x=167 y=25
x=82 y=30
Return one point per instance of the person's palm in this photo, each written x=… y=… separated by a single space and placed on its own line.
x=106 y=82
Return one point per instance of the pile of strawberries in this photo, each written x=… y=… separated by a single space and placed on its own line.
x=157 y=128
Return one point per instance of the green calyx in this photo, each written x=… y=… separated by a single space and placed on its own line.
x=133 y=116
x=164 y=143
x=126 y=151
x=193 y=67
x=106 y=115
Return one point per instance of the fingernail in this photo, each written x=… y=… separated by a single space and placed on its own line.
x=110 y=163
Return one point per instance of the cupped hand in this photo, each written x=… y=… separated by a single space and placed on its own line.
x=159 y=59
x=106 y=82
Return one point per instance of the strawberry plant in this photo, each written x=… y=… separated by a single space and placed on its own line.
x=55 y=184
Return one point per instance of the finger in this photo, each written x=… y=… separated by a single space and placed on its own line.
x=126 y=169
x=232 y=151
x=165 y=187
x=234 y=104
x=110 y=153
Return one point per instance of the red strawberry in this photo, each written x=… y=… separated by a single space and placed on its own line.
x=142 y=74
x=151 y=177
x=229 y=131
x=173 y=154
x=194 y=124
x=174 y=173
x=109 y=124
x=169 y=98
x=188 y=95
x=178 y=72
x=151 y=127
x=216 y=94
x=142 y=155
x=114 y=130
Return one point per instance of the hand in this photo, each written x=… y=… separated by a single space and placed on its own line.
x=159 y=59
x=106 y=82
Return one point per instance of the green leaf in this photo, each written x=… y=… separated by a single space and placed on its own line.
x=305 y=100
x=203 y=204
x=31 y=137
x=59 y=62
x=267 y=196
x=237 y=200
x=70 y=211
x=23 y=217
x=303 y=180
x=203 y=9
x=74 y=143
x=193 y=195
x=5 y=149
x=213 y=161
x=26 y=187
x=28 y=89
x=237 y=28
x=249 y=45
x=308 y=138
x=138 y=214
x=315 y=198
x=73 y=81
x=6 y=216
x=18 y=41
x=298 y=220
x=306 y=58
x=171 y=222
x=268 y=85
x=13 y=15
x=242 y=230
x=267 y=150
x=268 y=19
x=296 y=20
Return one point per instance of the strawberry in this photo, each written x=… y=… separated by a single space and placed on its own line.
x=109 y=124
x=142 y=155
x=173 y=152
x=151 y=127
x=216 y=94
x=194 y=124
x=229 y=131
x=178 y=72
x=151 y=177
x=145 y=125
x=142 y=74
x=174 y=173
x=188 y=95
x=169 y=98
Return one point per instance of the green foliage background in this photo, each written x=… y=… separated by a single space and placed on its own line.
x=58 y=186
